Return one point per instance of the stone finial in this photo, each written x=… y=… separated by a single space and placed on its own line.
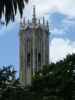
x=47 y=25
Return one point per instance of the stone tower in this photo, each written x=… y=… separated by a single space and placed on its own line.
x=34 y=47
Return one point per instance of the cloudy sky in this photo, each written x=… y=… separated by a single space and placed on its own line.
x=61 y=17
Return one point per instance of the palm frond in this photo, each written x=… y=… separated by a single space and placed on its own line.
x=9 y=8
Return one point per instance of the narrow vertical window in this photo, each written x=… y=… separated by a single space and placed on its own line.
x=28 y=59
x=39 y=59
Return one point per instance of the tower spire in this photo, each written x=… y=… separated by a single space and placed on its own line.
x=34 y=15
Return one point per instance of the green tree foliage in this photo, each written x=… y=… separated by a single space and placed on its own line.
x=9 y=8
x=55 y=80
x=10 y=87
x=7 y=77
x=7 y=74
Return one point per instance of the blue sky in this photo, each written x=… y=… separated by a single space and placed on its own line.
x=9 y=45
x=61 y=17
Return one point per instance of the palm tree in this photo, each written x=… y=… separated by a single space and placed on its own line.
x=8 y=8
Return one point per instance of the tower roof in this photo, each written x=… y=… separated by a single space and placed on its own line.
x=34 y=24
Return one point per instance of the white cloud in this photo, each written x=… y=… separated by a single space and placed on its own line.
x=59 y=48
x=57 y=31
x=43 y=7
x=69 y=21
x=61 y=24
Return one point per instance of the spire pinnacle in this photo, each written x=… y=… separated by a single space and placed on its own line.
x=43 y=20
x=34 y=15
x=47 y=25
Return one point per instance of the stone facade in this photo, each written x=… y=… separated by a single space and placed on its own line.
x=34 y=48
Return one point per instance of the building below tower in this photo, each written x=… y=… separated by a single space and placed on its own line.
x=34 y=48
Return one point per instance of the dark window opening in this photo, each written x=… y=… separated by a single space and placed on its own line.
x=36 y=57
x=28 y=59
x=39 y=59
